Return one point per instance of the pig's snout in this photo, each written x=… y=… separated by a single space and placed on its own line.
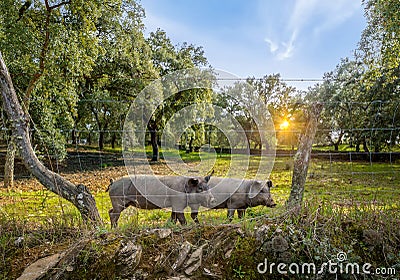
x=213 y=200
x=271 y=203
x=210 y=198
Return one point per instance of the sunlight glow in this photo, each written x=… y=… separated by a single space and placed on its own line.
x=284 y=124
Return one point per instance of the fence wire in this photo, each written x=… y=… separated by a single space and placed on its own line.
x=355 y=174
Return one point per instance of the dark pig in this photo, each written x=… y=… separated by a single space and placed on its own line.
x=176 y=192
x=245 y=193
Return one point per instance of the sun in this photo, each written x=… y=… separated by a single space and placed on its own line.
x=284 y=124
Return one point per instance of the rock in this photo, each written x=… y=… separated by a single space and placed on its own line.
x=285 y=257
x=139 y=275
x=267 y=247
x=372 y=237
x=181 y=277
x=128 y=258
x=183 y=253
x=261 y=233
x=228 y=254
x=19 y=241
x=279 y=244
x=40 y=267
x=209 y=274
x=194 y=262
x=241 y=233
x=164 y=233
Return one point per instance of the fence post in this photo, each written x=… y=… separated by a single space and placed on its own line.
x=302 y=158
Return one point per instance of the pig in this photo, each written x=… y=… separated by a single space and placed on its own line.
x=248 y=193
x=176 y=192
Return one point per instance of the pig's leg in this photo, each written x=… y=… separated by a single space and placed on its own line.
x=241 y=213
x=181 y=217
x=115 y=212
x=231 y=212
x=173 y=217
x=114 y=216
x=194 y=213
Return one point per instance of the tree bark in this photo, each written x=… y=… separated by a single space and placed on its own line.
x=338 y=141
x=191 y=145
x=101 y=140
x=9 y=165
x=73 y=136
x=89 y=139
x=365 y=146
x=154 y=145
x=78 y=195
x=302 y=159
x=113 y=140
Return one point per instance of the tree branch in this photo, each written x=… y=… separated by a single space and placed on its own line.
x=79 y=195
x=58 y=5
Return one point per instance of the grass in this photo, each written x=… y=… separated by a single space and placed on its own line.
x=344 y=203
x=339 y=183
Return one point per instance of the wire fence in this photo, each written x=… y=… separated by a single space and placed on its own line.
x=356 y=172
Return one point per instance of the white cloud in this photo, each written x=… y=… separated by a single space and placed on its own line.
x=282 y=50
x=288 y=48
x=309 y=15
x=273 y=46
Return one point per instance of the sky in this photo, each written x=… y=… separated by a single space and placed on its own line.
x=300 y=39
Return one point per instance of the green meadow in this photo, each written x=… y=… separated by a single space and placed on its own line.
x=344 y=203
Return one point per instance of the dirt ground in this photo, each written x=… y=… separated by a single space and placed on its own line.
x=93 y=169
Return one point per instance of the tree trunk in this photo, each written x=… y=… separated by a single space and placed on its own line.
x=73 y=136
x=78 y=195
x=89 y=138
x=9 y=165
x=191 y=145
x=339 y=140
x=302 y=159
x=101 y=140
x=113 y=140
x=365 y=146
x=336 y=145
x=154 y=145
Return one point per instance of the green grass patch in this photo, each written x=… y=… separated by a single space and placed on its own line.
x=350 y=207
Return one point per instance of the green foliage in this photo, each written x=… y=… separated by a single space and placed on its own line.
x=77 y=65
x=168 y=58
x=379 y=45
x=354 y=113
x=47 y=52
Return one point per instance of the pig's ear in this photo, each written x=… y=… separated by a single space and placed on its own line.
x=193 y=182
x=255 y=189
x=208 y=177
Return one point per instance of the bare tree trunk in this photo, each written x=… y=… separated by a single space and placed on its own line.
x=365 y=146
x=338 y=141
x=9 y=165
x=113 y=140
x=302 y=159
x=154 y=145
x=101 y=140
x=74 y=137
x=78 y=195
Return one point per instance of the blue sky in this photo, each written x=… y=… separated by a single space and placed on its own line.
x=300 y=39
